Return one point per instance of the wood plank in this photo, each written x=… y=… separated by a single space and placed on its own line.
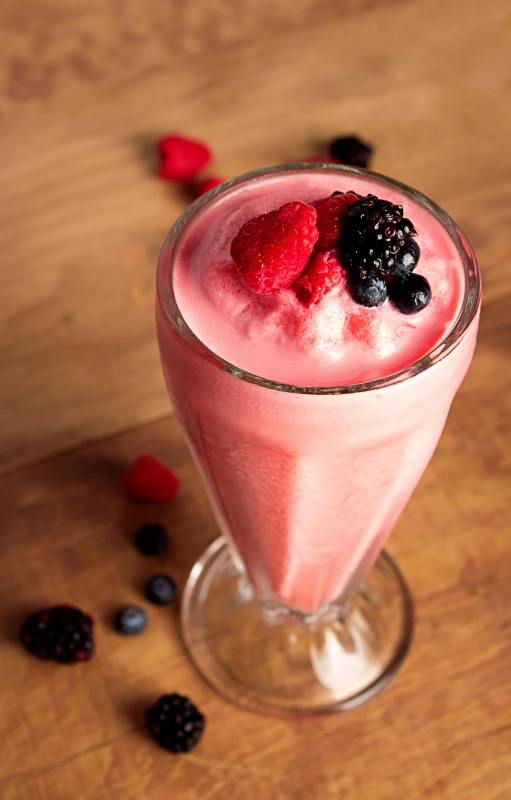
x=49 y=49
x=85 y=89
x=83 y=218
x=441 y=730
x=130 y=770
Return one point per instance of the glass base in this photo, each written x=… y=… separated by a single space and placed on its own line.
x=281 y=663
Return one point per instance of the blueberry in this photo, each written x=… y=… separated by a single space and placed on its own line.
x=130 y=620
x=351 y=150
x=405 y=260
x=410 y=294
x=368 y=291
x=152 y=539
x=161 y=590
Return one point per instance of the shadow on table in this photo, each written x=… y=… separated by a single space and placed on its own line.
x=88 y=484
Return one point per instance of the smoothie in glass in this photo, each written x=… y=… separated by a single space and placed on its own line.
x=308 y=482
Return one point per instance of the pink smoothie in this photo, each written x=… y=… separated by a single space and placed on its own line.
x=307 y=485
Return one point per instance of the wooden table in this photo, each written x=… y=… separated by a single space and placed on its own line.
x=86 y=88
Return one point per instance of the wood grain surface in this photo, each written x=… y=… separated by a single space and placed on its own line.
x=85 y=89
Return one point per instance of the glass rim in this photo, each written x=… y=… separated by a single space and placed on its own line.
x=449 y=342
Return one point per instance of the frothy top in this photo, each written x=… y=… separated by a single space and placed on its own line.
x=334 y=343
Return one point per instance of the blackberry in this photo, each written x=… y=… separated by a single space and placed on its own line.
x=161 y=590
x=410 y=294
x=130 y=620
x=152 y=539
x=175 y=723
x=373 y=232
x=61 y=633
x=351 y=150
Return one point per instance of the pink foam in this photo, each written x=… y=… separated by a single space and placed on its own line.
x=334 y=343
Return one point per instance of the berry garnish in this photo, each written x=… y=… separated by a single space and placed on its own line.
x=273 y=249
x=181 y=158
x=367 y=290
x=406 y=260
x=330 y=211
x=150 y=481
x=207 y=184
x=410 y=294
x=373 y=232
x=351 y=150
x=130 y=620
x=175 y=723
x=152 y=539
x=62 y=633
x=161 y=590
x=322 y=274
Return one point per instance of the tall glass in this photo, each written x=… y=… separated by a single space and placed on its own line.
x=311 y=617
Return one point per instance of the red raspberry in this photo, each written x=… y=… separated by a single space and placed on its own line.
x=207 y=184
x=323 y=273
x=181 y=158
x=150 y=481
x=330 y=213
x=272 y=250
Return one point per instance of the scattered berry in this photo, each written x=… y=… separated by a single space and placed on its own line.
x=330 y=211
x=373 y=232
x=272 y=249
x=181 y=158
x=406 y=260
x=151 y=481
x=130 y=620
x=410 y=294
x=352 y=151
x=367 y=290
x=61 y=633
x=175 y=723
x=152 y=539
x=207 y=184
x=161 y=590
x=322 y=274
